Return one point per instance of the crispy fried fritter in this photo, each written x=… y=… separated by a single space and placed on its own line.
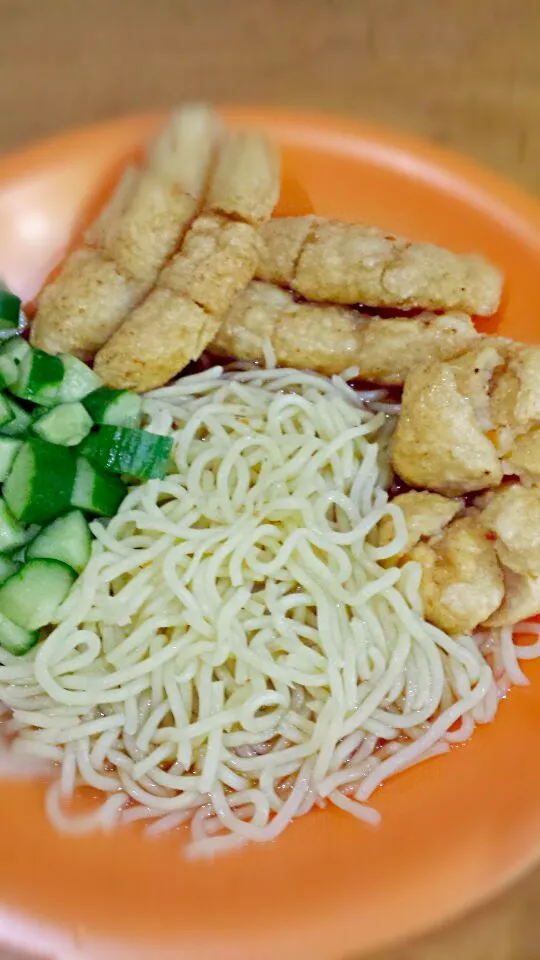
x=215 y=263
x=439 y=443
x=462 y=582
x=246 y=180
x=426 y=515
x=78 y=312
x=136 y=359
x=512 y=514
x=131 y=240
x=326 y=260
x=329 y=338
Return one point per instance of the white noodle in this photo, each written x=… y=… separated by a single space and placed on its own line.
x=234 y=653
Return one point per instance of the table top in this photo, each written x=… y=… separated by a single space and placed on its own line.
x=465 y=73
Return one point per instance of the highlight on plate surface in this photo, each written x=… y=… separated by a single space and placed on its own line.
x=274 y=579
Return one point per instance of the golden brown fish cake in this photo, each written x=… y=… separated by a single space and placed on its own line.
x=134 y=235
x=329 y=338
x=137 y=359
x=438 y=443
x=512 y=514
x=217 y=259
x=283 y=241
x=473 y=372
x=78 y=312
x=426 y=515
x=462 y=582
x=149 y=214
x=246 y=180
x=326 y=260
x=305 y=335
x=523 y=458
x=515 y=398
x=210 y=270
x=388 y=349
x=521 y=600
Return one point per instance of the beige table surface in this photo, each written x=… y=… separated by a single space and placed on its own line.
x=463 y=72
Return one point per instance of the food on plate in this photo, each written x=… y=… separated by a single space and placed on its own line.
x=351 y=263
x=440 y=444
x=128 y=245
x=425 y=514
x=329 y=338
x=216 y=261
x=462 y=582
x=218 y=604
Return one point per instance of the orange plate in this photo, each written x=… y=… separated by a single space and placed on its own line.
x=455 y=829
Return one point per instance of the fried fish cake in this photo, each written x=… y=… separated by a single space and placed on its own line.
x=350 y=263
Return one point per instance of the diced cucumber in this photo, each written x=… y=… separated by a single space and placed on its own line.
x=32 y=596
x=39 y=486
x=8 y=567
x=10 y=308
x=125 y=450
x=15 y=639
x=67 y=539
x=118 y=408
x=12 y=353
x=66 y=424
x=79 y=380
x=12 y=533
x=6 y=413
x=49 y=380
x=8 y=450
x=40 y=376
x=20 y=422
x=95 y=491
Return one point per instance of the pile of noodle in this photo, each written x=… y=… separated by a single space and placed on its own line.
x=234 y=652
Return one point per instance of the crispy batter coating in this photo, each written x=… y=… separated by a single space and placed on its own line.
x=462 y=582
x=473 y=372
x=515 y=400
x=521 y=600
x=426 y=515
x=217 y=259
x=135 y=234
x=135 y=358
x=246 y=181
x=326 y=260
x=215 y=263
x=78 y=312
x=439 y=443
x=523 y=459
x=329 y=338
x=149 y=213
x=512 y=514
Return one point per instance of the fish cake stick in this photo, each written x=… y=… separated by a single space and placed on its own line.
x=181 y=315
x=161 y=336
x=78 y=311
x=246 y=181
x=139 y=229
x=329 y=338
x=348 y=263
x=217 y=260
x=142 y=227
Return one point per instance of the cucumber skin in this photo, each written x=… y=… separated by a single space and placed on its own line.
x=95 y=491
x=49 y=486
x=125 y=450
